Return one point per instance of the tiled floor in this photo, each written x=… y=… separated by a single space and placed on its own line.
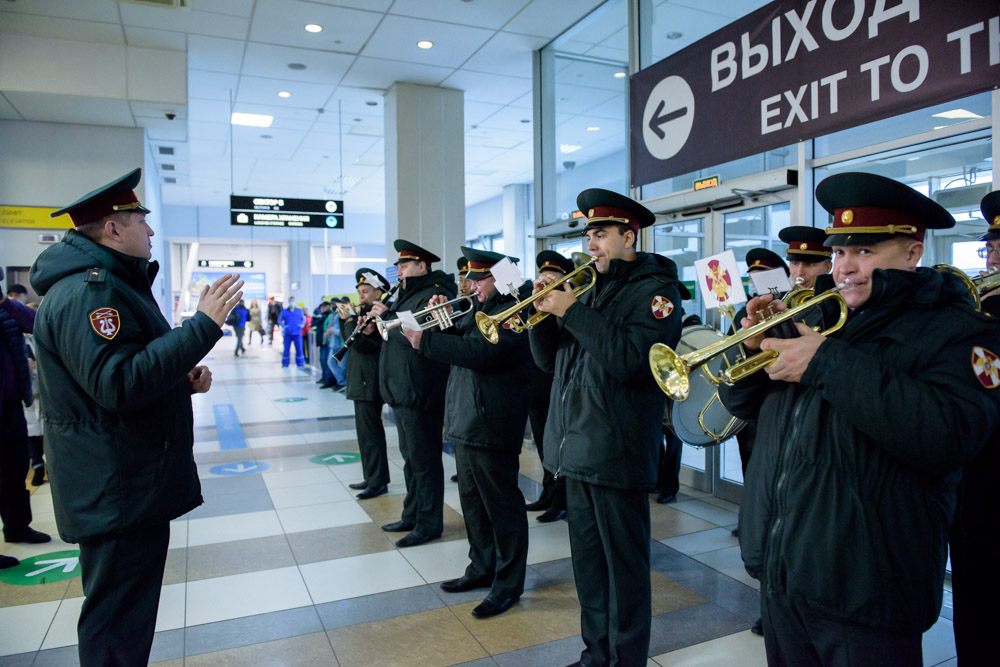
x=284 y=566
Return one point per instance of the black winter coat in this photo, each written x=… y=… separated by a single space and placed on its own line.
x=851 y=486
x=486 y=403
x=606 y=411
x=362 y=362
x=405 y=377
x=118 y=421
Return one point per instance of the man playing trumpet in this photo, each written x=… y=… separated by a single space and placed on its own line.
x=860 y=438
x=603 y=430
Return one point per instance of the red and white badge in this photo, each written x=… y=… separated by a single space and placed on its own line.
x=662 y=307
x=986 y=366
x=105 y=322
x=509 y=323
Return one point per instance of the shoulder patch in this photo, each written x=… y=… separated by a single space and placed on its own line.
x=105 y=322
x=986 y=366
x=661 y=307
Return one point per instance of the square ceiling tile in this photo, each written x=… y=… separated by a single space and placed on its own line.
x=283 y=22
x=61 y=28
x=212 y=85
x=492 y=14
x=94 y=10
x=378 y=73
x=491 y=88
x=215 y=54
x=8 y=112
x=258 y=90
x=189 y=20
x=149 y=38
x=397 y=37
x=71 y=109
x=268 y=60
x=506 y=54
x=548 y=18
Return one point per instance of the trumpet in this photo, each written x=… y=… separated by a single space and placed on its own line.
x=489 y=324
x=672 y=371
x=430 y=317
x=977 y=286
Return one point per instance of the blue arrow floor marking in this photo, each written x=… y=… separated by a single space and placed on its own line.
x=228 y=427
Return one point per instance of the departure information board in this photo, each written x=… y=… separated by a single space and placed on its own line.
x=286 y=212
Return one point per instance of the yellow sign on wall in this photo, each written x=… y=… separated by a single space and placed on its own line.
x=32 y=217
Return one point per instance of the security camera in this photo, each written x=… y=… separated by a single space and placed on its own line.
x=171 y=115
x=574 y=223
x=569 y=164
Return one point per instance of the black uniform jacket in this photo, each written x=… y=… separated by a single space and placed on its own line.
x=118 y=422
x=605 y=411
x=362 y=362
x=405 y=377
x=851 y=486
x=487 y=405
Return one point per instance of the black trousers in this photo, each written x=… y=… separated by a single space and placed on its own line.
x=494 y=518
x=122 y=576
x=15 y=501
x=554 y=490
x=796 y=635
x=668 y=479
x=609 y=540
x=420 y=444
x=371 y=442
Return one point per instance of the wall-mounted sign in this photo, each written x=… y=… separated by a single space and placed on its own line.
x=794 y=70
x=32 y=217
x=226 y=263
x=706 y=183
x=285 y=212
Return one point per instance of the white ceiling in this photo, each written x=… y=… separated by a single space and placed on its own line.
x=238 y=52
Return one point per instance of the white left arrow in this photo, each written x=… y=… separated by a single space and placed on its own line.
x=67 y=564
x=241 y=468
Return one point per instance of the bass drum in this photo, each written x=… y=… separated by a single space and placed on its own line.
x=701 y=415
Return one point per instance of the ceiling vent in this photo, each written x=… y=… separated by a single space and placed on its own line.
x=167 y=167
x=165 y=150
x=169 y=179
x=165 y=4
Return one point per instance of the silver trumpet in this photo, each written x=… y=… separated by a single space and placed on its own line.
x=440 y=316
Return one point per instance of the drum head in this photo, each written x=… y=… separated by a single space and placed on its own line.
x=684 y=414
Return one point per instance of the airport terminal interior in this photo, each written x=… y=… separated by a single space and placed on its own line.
x=294 y=140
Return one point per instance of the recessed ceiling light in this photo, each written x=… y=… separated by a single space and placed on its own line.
x=251 y=119
x=296 y=66
x=284 y=93
x=566 y=149
x=620 y=75
x=592 y=128
x=425 y=44
x=314 y=27
x=674 y=35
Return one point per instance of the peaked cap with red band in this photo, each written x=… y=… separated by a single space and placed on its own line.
x=868 y=209
x=480 y=262
x=762 y=259
x=361 y=279
x=990 y=207
x=550 y=260
x=411 y=252
x=805 y=244
x=115 y=197
x=463 y=266
x=604 y=207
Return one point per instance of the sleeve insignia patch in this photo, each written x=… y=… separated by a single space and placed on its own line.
x=106 y=323
x=662 y=307
x=508 y=323
x=986 y=366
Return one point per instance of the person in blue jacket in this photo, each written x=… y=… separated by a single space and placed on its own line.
x=291 y=322
x=240 y=327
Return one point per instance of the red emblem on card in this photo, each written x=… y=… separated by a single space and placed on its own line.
x=662 y=307
x=986 y=366
x=105 y=322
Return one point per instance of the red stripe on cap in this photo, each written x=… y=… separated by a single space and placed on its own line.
x=612 y=212
x=98 y=207
x=846 y=220
x=479 y=266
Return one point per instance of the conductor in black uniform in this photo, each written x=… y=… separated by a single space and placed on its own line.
x=414 y=387
x=362 y=385
x=808 y=257
x=604 y=428
x=975 y=547
x=485 y=417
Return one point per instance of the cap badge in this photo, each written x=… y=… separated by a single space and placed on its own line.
x=847 y=217
x=986 y=366
x=803 y=246
x=106 y=323
x=661 y=307
x=996 y=219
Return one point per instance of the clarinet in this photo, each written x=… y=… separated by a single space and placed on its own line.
x=363 y=321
